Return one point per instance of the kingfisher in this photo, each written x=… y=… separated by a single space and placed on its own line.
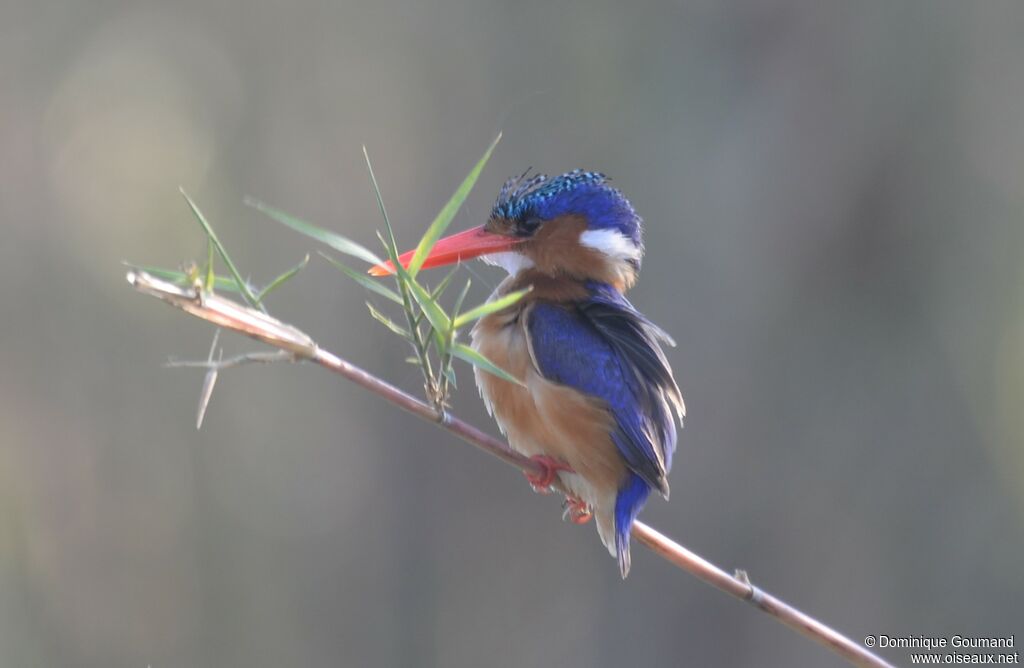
x=598 y=405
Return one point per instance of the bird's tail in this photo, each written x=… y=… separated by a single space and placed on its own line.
x=631 y=498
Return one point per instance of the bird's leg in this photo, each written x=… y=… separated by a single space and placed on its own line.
x=550 y=466
x=576 y=510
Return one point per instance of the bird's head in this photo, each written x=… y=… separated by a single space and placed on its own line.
x=574 y=226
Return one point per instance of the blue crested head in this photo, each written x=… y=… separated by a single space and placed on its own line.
x=530 y=201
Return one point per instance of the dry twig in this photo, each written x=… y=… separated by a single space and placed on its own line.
x=295 y=345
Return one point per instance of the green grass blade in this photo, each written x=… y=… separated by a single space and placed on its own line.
x=431 y=309
x=211 y=278
x=428 y=307
x=282 y=279
x=389 y=248
x=401 y=277
x=413 y=315
x=449 y=335
x=362 y=279
x=449 y=338
x=439 y=290
x=445 y=216
x=332 y=239
x=440 y=344
x=449 y=373
x=223 y=283
x=388 y=322
x=403 y=280
x=433 y=312
x=457 y=308
x=467 y=354
x=391 y=243
x=489 y=307
x=439 y=341
x=243 y=287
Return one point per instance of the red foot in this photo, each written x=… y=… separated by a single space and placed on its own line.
x=541 y=482
x=576 y=510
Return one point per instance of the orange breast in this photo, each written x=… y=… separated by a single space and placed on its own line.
x=544 y=417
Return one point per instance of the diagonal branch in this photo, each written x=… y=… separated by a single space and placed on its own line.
x=296 y=345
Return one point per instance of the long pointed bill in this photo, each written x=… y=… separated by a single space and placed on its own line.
x=466 y=245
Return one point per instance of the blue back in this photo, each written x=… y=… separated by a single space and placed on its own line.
x=605 y=349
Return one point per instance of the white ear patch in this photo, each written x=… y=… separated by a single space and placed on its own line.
x=612 y=243
x=510 y=261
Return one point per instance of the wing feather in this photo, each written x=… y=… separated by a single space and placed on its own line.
x=606 y=349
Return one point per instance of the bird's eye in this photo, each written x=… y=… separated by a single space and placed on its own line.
x=527 y=226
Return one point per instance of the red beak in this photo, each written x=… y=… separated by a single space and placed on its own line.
x=466 y=245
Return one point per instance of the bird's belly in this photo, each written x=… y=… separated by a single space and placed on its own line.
x=544 y=418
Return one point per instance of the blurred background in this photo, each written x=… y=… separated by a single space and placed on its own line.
x=834 y=208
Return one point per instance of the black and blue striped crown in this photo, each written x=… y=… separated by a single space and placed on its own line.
x=578 y=192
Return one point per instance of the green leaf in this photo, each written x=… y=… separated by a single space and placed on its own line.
x=403 y=280
x=388 y=322
x=450 y=334
x=282 y=279
x=389 y=249
x=435 y=315
x=431 y=309
x=445 y=351
x=458 y=302
x=445 y=216
x=391 y=244
x=211 y=279
x=243 y=287
x=224 y=283
x=467 y=354
x=364 y=280
x=438 y=319
x=489 y=307
x=332 y=239
x=438 y=291
x=439 y=340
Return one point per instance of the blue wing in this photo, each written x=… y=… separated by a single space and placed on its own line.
x=606 y=349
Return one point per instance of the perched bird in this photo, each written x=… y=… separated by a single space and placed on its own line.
x=598 y=405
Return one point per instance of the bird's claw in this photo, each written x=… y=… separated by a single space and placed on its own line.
x=576 y=510
x=541 y=482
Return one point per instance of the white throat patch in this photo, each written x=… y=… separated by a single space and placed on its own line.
x=510 y=261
